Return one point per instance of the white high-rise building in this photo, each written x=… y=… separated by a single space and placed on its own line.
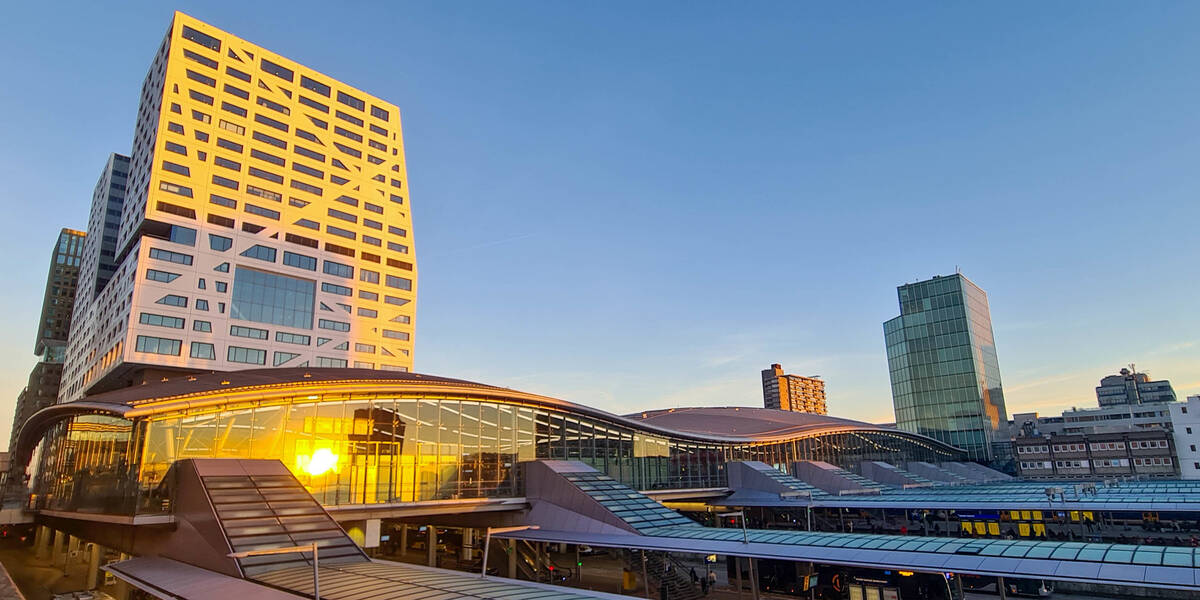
x=266 y=223
x=1185 y=419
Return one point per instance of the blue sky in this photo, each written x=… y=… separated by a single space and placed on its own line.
x=639 y=206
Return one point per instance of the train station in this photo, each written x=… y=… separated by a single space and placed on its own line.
x=225 y=482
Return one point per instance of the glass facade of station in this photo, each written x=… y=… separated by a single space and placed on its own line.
x=372 y=449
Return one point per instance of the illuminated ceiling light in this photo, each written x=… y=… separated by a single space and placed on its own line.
x=323 y=460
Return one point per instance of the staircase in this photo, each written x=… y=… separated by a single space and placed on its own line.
x=264 y=511
x=663 y=569
x=533 y=568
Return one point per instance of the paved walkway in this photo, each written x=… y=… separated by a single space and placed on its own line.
x=38 y=579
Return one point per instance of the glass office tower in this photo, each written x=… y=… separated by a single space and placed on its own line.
x=943 y=365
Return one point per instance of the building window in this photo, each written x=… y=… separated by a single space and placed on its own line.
x=239 y=74
x=173 y=300
x=250 y=356
x=333 y=288
x=165 y=277
x=203 y=326
x=338 y=269
x=333 y=325
x=260 y=252
x=351 y=101
x=157 y=345
x=331 y=362
x=264 y=297
x=282 y=357
x=219 y=243
x=203 y=350
x=399 y=283
x=278 y=70
x=177 y=323
x=292 y=338
x=262 y=212
x=203 y=39
x=248 y=332
x=299 y=260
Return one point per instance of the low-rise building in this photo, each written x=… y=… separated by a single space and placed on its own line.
x=1097 y=456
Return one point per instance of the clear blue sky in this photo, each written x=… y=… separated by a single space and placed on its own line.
x=639 y=206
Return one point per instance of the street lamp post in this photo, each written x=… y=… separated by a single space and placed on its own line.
x=742 y=514
x=487 y=542
x=289 y=550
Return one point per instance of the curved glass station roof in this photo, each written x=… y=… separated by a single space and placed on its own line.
x=358 y=436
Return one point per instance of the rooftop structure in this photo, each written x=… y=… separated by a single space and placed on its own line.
x=1131 y=387
x=792 y=392
x=265 y=222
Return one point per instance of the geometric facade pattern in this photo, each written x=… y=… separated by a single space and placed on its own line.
x=267 y=221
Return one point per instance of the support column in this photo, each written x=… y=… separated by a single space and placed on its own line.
x=58 y=554
x=431 y=545
x=72 y=548
x=1002 y=588
x=93 y=572
x=539 y=548
x=512 y=559
x=468 y=540
x=41 y=542
x=645 y=576
x=403 y=540
x=121 y=591
x=753 y=578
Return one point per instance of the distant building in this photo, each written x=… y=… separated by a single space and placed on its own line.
x=1131 y=387
x=1185 y=417
x=792 y=392
x=1096 y=456
x=53 y=326
x=943 y=366
x=1136 y=430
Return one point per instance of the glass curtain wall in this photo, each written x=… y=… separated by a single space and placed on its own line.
x=370 y=450
x=87 y=465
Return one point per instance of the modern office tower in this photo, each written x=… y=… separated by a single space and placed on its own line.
x=1131 y=387
x=53 y=327
x=944 y=371
x=104 y=223
x=266 y=222
x=792 y=392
